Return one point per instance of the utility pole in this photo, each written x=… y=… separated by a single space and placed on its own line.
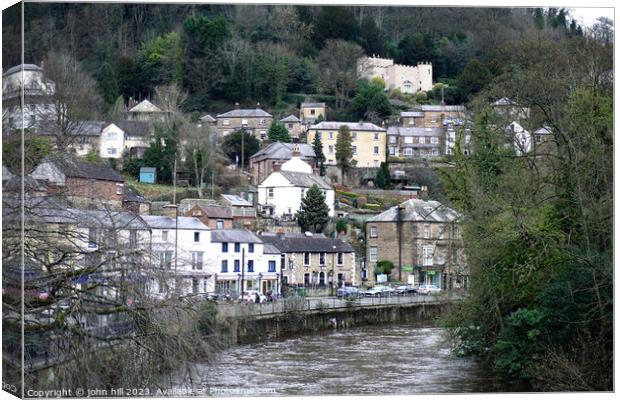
x=174 y=181
x=242 y=146
x=399 y=223
x=242 y=271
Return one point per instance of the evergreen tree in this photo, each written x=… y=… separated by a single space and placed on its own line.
x=107 y=84
x=317 y=146
x=313 y=215
x=278 y=133
x=232 y=146
x=344 y=151
x=383 y=180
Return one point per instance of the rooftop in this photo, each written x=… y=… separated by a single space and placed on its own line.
x=82 y=169
x=249 y=113
x=290 y=118
x=214 y=211
x=414 y=210
x=145 y=106
x=415 y=131
x=237 y=201
x=282 y=151
x=25 y=67
x=434 y=107
x=301 y=179
x=165 y=222
x=410 y=114
x=234 y=236
x=135 y=128
x=300 y=242
x=354 y=126
x=207 y=118
x=312 y=105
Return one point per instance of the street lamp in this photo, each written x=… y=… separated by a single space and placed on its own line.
x=333 y=266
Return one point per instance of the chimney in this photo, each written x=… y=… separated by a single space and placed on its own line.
x=277 y=167
x=236 y=106
x=257 y=104
x=423 y=193
x=295 y=150
x=170 y=210
x=280 y=233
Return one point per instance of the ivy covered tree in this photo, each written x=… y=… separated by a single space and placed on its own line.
x=313 y=215
x=232 y=146
x=344 y=151
x=317 y=146
x=278 y=133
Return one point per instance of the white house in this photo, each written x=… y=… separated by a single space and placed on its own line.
x=238 y=257
x=111 y=142
x=179 y=263
x=521 y=138
x=282 y=191
x=131 y=136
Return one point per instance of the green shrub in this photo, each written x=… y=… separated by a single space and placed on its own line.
x=361 y=202
x=207 y=315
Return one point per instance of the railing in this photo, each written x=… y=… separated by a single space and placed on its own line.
x=302 y=304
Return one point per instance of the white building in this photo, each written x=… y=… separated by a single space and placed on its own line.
x=407 y=78
x=238 y=257
x=281 y=193
x=521 y=138
x=179 y=263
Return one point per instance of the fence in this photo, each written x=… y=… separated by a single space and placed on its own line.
x=330 y=303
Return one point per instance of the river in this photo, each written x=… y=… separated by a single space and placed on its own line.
x=378 y=360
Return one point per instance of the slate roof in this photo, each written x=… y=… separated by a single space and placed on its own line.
x=410 y=114
x=82 y=169
x=145 y=106
x=282 y=151
x=165 y=222
x=312 y=105
x=290 y=118
x=82 y=128
x=354 y=126
x=214 y=211
x=14 y=184
x=300 y=179
x=131 y=194
x=300 y=243
x=135 y=128
x=268 y=248
x=545 y=130
x=418 y=210
x=417 y=131
x=237 y=201
x=249 y=113
x=25 y=67
x=207 y=118
x=234 y=236
x=433 y=107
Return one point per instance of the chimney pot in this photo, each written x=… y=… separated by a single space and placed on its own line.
x=170 y=210
x=236 y=105
x=277 y=167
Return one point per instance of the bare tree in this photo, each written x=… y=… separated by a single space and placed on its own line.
x=338 y=63
x=74 y=99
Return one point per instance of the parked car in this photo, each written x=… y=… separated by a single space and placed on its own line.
x=428 y=289
x=405 y=290
x=348 y=292
x=250 y=296
x=379 y=291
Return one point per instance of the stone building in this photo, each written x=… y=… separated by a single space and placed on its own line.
x=435 y=115
x=213 y=216
x=416 y=142
x=255 y=121
x=313 y=260
x=309 y=112
x=262 y=163
x=367 y=141
x=293 y=126
x=423 y=241
x=406 y=78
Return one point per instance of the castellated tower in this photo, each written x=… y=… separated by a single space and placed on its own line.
x=407 y=78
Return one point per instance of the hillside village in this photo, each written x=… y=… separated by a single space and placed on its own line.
x=389 y=175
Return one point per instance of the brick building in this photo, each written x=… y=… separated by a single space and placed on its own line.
x=423 y=241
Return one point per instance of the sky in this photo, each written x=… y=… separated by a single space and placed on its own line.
x=587 y=15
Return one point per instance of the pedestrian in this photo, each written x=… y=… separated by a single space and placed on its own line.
x=256 y=298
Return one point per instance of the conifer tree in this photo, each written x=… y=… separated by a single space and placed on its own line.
x=313 y=215
x=317 y=146
x=278 y=133
x=382 y=180
x=344 y=151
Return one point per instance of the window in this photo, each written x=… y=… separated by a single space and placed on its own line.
x=263 y=135
x=196 y=237
x=224 y=247
x=195 y=287
x=376 y=136
x=340 y=258
x=331 y=149
x=197 y=260
x=321 y=258
x=408 y=139
x=375 y=150
x=290 y=126
x=250 y=265
x=354 y=149
x=164 y=236
x=412 y=122
x=263 y=121
x=427 y=255
x=306 y=279
x=270 y=193
x=427 y=231
x=162 y=286
x=312 y=111
x=244 y=122
x=435 y=152
x=111 y=151
x=219 y=224
x=251 y=248
x=237 y=266
x=373 y=231
x=331 y=135
x=434 y=140
x=133 y=238
x=392 y=151
x=165 y=259
x=224 y=265
x=373 y=253
x=353 y=135
x=408 y=151
x=119 y=188
x=392 y=139
x=112 y=135
x=306 y=258
x=237 y=247
x=226 y=122
x=272 y=266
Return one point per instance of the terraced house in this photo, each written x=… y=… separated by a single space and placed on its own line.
x=254 y=120
x=416 y=142
x=423 y=241
x=367 y=141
